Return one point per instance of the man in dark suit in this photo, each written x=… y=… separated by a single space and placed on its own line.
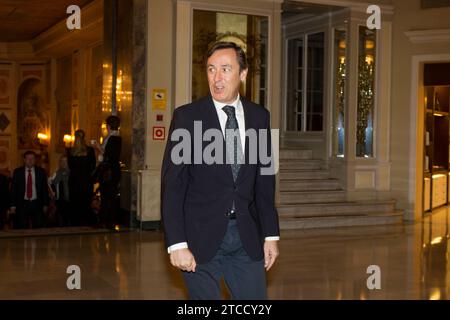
x=108 y=173
x=219 y=218
x=29 y=194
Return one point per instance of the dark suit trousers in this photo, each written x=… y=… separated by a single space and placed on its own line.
x=244 y=277
x=29 y=211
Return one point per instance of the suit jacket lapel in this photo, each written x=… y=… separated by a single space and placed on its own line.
x=248 y=125
x=210 y=117
x=37 y=177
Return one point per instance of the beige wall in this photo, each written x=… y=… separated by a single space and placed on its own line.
x=408 y=16
x=160 y=72
x=160 y=75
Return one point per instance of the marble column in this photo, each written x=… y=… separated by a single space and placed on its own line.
x=130 y=52
x=139 y=63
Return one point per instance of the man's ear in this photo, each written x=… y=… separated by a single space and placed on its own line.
x=243 y=74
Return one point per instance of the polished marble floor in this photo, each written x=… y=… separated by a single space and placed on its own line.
x=314 y=264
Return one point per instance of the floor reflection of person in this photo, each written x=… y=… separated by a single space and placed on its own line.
x=29 y=194
x=81 y=160
x=109 y=173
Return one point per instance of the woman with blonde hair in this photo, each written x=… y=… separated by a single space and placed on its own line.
x=81 y=159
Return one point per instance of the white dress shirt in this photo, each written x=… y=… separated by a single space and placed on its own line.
x=239 y=111
x=105 y=142
x=237 y=104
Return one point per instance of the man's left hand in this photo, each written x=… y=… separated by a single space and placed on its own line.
x=270 y=253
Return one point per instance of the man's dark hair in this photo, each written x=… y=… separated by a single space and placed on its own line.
x=113 y=122
x=80 y=133
x=240 y=54
x=28 y=153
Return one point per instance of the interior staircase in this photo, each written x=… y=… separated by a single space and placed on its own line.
x=310 y=198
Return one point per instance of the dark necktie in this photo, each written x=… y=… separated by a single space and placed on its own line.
x=29 y=185
x=234 y=148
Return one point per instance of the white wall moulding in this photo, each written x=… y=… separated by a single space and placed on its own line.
x=358 y=6
x=256 y=7
x=428 y=36
x=148 y=202
x=365 y=179
x=16 y=51
x=183 y=54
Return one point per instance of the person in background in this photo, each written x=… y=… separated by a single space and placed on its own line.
x=108 y=172
x=4 y=198
x=29 y=194
x=81 y=160
x=59 y=183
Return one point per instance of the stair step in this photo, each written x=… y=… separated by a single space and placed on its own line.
x=297 y=197
x=295 y=154
x=303 y=174
x=336 y=208
x=309 y=184
x=311 y=164
x=394 y=217
x=347 y=233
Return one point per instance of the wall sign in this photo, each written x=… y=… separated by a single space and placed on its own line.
x=159 y=133
x=159 y=98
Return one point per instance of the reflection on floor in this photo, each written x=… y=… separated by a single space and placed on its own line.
x=314 y=264
x=55 y=231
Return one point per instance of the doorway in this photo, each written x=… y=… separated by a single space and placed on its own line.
x=436 y=93
x=308 y=74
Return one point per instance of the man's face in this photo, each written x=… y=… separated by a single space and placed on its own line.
x=224 y=77
x=63 y=163
x=30 y=160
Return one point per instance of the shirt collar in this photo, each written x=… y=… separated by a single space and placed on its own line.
x=114 y=133
x=237 y=104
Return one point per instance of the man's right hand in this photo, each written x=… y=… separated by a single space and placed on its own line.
x=183 y=259
x=12 y=210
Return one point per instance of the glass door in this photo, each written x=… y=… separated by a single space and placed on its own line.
x=305 y=83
